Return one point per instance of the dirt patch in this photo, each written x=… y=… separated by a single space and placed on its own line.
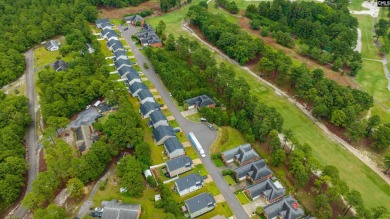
x=170 y=118
x=186 y=144
x=208 y=179
x=42 y=161
x=196 y=161
x=219 y=198
x=112 y=12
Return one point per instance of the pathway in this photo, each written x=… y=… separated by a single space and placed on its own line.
x=205 y=136
x=365 y=159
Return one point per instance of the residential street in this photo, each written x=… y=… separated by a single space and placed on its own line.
x=32 y=148
x=205 y=136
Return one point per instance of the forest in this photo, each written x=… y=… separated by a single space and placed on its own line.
x=229 y=6
x=184 y=66
x=326 y=32
x=116 y=3
x=14 y=120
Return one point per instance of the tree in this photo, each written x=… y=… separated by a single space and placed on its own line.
x=300 y=174
x=353 y=198
x=160 y=27
x=386 y=162
x=130 y=172
x=356 y=130
x=170 y=43
x=278 y=157
x=255 y=24
x=338 y=118
x=51 y=212
x=204 y=4
x=323 y=209
x=372 y=123
x=75 y=188
x=287 y=135
x=379 y=212
x=265 y=65
x=321 y=182
x=382 y=137
x=381 y=28
x=259 y=210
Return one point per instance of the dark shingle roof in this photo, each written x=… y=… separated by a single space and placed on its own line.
x=286 y=207
x=199 y=202
x=119 y=53
x=134 y=18
x=124 y=70
x=188 y=181
x=51 y=43
x=114 y=210
x=60 y=65
x=117 y=45
x=242 y=153
x=106 y=25
x=172 y=144
x=178 y=163
x=200 y=101
x=157 y=116
x=162 y=131
x=149 y=106
x=111 y=34
x=118 y=63
x=267 y=188
x=102 y=21
x=112 y=42
x=145 y=93
x=106 y=32
x=136 y=87
x=132 y=74
x=256 y=170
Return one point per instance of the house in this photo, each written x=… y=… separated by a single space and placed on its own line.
x=105 y=32
x=149 y=38
x=117 y=210
x=60 y=65
x=242 y=154
x=200 y=101
x=52 y=45
x=105 y=26
x=188 y=184
x=119 y=64
x=100 y=22
x=90 y=48
x=126 y=69
x=145 y=96
x=286 y=208
x=173 y=147
x=120 y=54
x=131 y=75
x=136 y=87
x=118 y=46
x=157 y=118
x=163 y=133
x=146 y=27
x=112 y=42
x=179 y=165
x=255 y=171
x=148 y=108
x=200 y=204
x=268 y=189
x=134 y=19
x=112 y=35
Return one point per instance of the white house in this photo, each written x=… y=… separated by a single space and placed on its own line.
x=189 y=183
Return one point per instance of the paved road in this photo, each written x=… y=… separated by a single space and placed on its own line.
x=205 y=136
x=365 y=159
x=31 y=136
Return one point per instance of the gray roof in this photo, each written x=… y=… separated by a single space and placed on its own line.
x=108 y=24
x=120 y=53
x=147 y=27
x=162 y=131
x=112 y=42
x=242 y=153
x=178 y=163
x=286 y=207
x=117 y=45
x=172 y=144
x=132 y=74
x=188 y=181
x=137 y=86
x=199 y=202
x=60 y=65
x=134 y=18
x=149 y=106
x=126 y=69
x=114 y=210
x=157 y=116
x=52 y=43
x=266 y=188
x=256 y=170
x=106 y=32
x=145 y=93
x=118 y=63
x=102 y=21
x=112 y=34
x=200 y=101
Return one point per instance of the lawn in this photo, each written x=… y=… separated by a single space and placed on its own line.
x=220 y=209
x=242 y=198
x=207 y=187
x=194 y=117
x=227 y=138
x=191 y=153
x=106 y=52
x=356 y=5
x=43 y=57
x=181 y=136
x=229 y=180
x=173 y=123
x=218 y=162
x=366 y=25
x=146 y=201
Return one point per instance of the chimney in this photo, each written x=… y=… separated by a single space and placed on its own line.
x=295 y=205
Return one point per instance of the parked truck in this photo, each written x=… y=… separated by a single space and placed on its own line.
x=194 y=141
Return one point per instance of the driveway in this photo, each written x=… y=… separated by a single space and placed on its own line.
x=205 y=136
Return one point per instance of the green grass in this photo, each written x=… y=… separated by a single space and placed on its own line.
x=146 y=201
x=366 y=24
x=356 y=5
x=161 y=175
x=227 y=138
x=194 y=117
x=220 y=209
x=218 y=162
x=374 y=81
x=229 y=180
x=43 y=57
x=181 y=136
x=191 y=153
x=242 y=198
x=173 y=123
x=207 y=187
x=166 y=112
x=106 y=52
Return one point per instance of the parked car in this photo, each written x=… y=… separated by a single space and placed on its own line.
x=126 y=28
x=203 y=120
x=211 y=127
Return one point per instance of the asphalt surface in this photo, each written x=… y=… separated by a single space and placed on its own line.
x=204 y=135
x=32 y=148
x=85 y=117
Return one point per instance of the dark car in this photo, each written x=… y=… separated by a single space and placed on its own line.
x=126 y=28
x=211 y=127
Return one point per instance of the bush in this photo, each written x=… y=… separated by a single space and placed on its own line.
x=102 y=184
x=151 y=181
x=227 y=172
x=216 y=156
x=146 y=65
x=255 y=24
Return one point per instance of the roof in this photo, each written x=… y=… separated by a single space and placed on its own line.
x=118 y=63
x=267 y=188
x=102 y=21
x=145 y=93
x=188 y=181
x=106 y=32
x=149 y=106
x=51 y=43
x=89 y=46
x=178 y=163
x=242 y=153
x=117 y=45
x=60 y=65
x=137 y=86
x=200 y=101
x=132 y=74
x=199 y=202
x=125 y=70
x=107 y=24
x=256 y=170
x=147 y=27
x=162 y=131
x=134 y=18
x=157 y=116
x=114 y=210
x=286 y=207
x=119 y=53
x=172 y=144
x=112 y=42
x=111 y=33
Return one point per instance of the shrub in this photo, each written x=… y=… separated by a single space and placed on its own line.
x=151 y=181
x=102 y=184
x=146 y=65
